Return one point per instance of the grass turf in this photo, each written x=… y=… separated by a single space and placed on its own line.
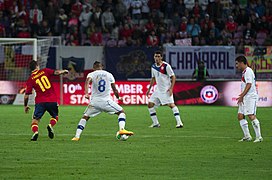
x=206 y=148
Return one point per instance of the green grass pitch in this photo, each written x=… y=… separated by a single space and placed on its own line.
x=206 y=148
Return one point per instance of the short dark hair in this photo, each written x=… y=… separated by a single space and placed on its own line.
x=96 y=64
x=158 y=52
x=33 y=64
x=241 y=59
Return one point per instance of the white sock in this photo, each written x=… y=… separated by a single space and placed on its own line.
x=256 y=127
x=122 y=121
x=177 y=116
x=244 y=126
x=153 y=115
x=81 y=125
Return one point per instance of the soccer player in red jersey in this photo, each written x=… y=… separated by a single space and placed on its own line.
x=45 y=100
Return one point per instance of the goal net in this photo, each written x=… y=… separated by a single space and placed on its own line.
x=15 y=55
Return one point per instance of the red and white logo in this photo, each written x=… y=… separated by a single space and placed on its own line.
x=209 y=94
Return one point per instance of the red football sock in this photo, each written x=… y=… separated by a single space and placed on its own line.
x=53 y=121
x=34 y=127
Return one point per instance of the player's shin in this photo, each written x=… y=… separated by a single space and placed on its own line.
x=53 y=121
x=34 y=127
x=80 y=127
x=177 y=115
x=122 y=121
x=153 y=115
x=256 y=127
x=244 y=126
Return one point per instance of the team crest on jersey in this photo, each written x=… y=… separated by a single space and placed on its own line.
x=209 y=94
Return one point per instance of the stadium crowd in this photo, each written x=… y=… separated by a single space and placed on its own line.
x=140 y=22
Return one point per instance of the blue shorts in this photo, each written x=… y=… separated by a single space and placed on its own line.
x=51 y=107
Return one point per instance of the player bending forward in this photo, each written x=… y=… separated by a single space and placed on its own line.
x=102 y=82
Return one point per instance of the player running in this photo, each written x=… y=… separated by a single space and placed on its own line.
x=45 y=100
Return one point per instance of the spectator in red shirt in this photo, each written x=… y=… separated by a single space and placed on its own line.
x=96 y=37
x=152 y=40
x=77 y=8
x=126 y=31
x=231 y=25
x=45 y=100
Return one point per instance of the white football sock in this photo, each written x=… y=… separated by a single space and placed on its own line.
x=122 y=121
x=177 y=116
x=244 y=126
x=256 y=127
x=153 y=115
x=80 y=127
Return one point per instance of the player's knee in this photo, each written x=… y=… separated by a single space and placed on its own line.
x=240 y=116
x=150 y=105
x=171 y=105
x=120 y=112
x=251 y=117
x=86 y=117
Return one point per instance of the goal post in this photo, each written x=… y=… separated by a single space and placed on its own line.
x=15 y=55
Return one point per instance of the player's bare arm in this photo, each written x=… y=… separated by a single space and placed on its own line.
x=60 y=72
x=27 y=108
x=115 y=91
x=241 y=96
x=87 y=82
x=173 y=81
x=152 y=81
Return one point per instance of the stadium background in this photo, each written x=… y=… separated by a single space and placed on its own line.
x=124 y=35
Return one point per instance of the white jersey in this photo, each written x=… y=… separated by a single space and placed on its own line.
x=101 y=84
x=162 y=75
x=249 y=77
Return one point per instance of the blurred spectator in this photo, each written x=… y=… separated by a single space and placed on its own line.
x=249 y=32
x=44 y=29
x=107 y=4
x=23 y=30
x=23 y=14
x=107 y=20
x=61 y=22
x=84 y=19
x=215 y=9
x=168 y=6
x=231 y=25
x=197 y=10
x=51 y=14
x=206 y=21
x=77 y=8
x=120 y=11
x=126 y=31
x=260 y=8
x=145 y=9
x=72 y=40
x=36 y=17
x=136 y=10
x=96 y=37
x=96 y=16
x=180 y=8
x=152 y=39
x=200 y=73
x=154 y=5
x=193 y=29
x=67 y=7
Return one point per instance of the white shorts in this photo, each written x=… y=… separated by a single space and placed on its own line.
x=248 y=107
x=159 y=98
x=96 y=107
